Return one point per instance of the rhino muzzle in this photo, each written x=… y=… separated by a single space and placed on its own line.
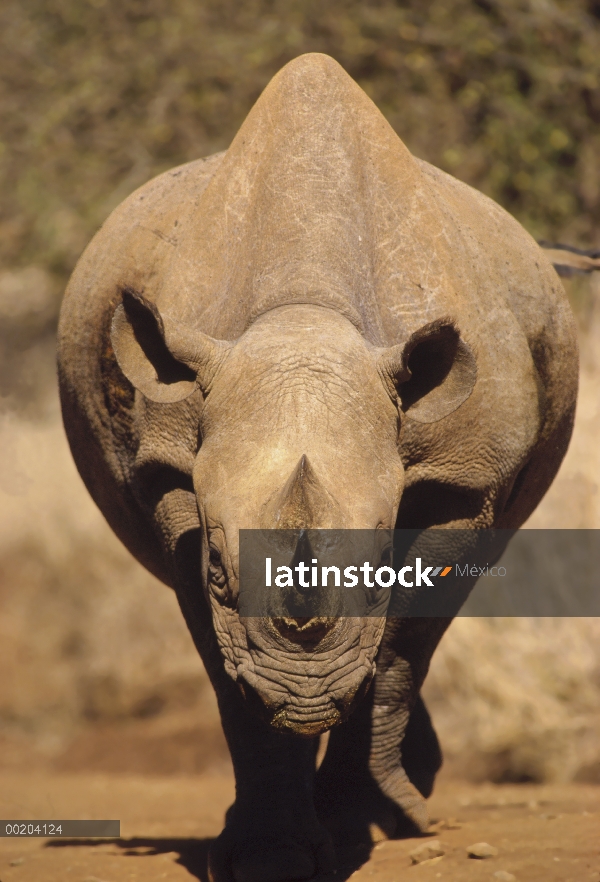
x=304 y=707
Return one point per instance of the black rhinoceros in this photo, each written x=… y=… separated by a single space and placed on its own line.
x=312 y=329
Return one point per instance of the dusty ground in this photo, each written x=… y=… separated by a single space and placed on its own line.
x=547 y=833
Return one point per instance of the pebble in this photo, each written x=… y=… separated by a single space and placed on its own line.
x=504 y=876
x=16 y=862
x=481 y=850
x=445 y=824
x=427 y=851
x=377 y=834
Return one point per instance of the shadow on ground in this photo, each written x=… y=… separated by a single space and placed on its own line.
x=193 y=853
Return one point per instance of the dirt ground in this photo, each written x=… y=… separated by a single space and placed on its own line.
x=542 y=833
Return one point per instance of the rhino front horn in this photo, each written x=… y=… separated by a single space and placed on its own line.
x=303 y=502
x=164 y=360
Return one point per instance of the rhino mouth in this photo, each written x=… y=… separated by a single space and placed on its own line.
x=307 y=631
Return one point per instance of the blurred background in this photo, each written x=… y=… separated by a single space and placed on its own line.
x=97 y=671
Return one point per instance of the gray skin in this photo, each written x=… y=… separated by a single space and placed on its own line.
x=314 y=329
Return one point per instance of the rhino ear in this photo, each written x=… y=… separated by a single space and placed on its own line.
x=167 y=363
x=433 y=373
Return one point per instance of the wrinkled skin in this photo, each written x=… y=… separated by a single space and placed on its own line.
x=312 y=330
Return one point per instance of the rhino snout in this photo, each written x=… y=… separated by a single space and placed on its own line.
x=308 y=705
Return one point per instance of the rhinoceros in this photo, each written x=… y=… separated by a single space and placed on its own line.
x=313 y=329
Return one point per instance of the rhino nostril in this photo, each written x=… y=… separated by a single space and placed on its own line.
x=304 y=629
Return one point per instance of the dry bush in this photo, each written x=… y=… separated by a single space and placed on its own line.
x=519 y=699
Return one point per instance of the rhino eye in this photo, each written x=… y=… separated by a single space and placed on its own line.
x=217 y=577
x=216 y=570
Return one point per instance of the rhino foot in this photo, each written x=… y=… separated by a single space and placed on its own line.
x=244 y=855
x=373 y=813
x=365 y=793
x=406 y=803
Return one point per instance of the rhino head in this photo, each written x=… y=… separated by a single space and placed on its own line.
x=312 y=330
x=299 y=425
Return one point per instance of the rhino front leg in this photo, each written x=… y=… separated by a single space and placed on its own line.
x=421 y=751
x=380 y=766
x=272 y=832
